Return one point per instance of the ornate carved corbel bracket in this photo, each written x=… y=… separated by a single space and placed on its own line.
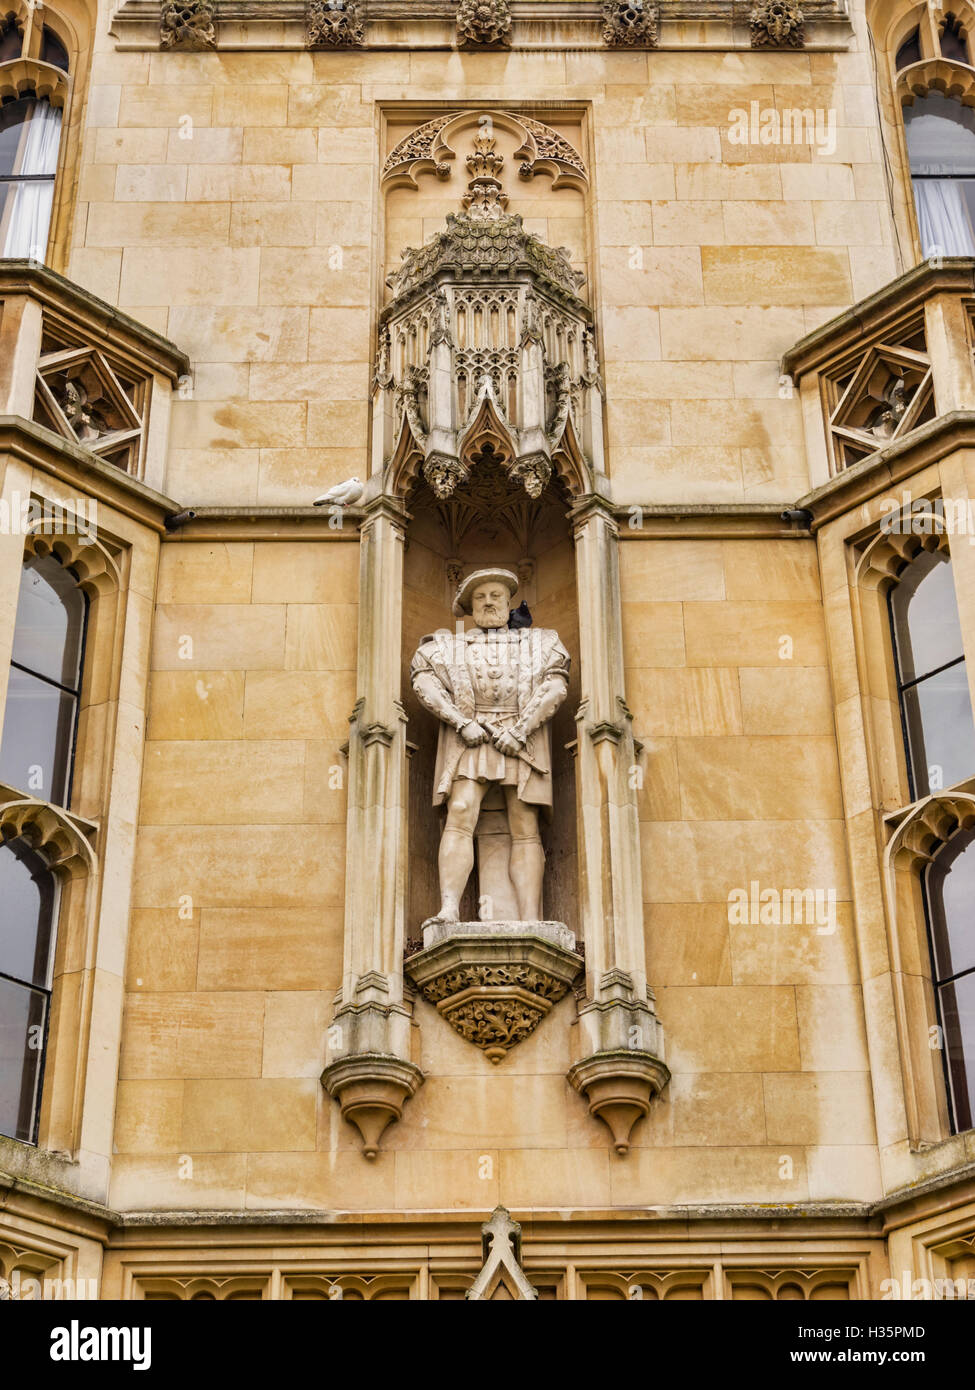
x=484 y=23
x=777 y=24
x=334 y=24
x=619 y=1086
x=187 y=24
x=372 y=1090
x=629 y=24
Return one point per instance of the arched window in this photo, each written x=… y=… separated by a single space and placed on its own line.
x=932 y=678
x=941 y=145
x=30 y=137
x=40 y=717
x=954 y=45
x=909 y=51
x=28 y=892
x=950 y=895
x=30 y=133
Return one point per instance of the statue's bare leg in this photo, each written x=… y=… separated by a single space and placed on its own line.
x=527 y=865
x=456 y=857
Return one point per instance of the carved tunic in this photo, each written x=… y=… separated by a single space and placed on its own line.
x=501 y=678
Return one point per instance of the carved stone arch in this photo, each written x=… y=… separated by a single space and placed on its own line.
x=404 y=466
x=955 y=80
x=885 y=558
x=430 y=149
x=25 y=77
x=929 y=826
x=486 y=428
x=90 y=560
x=570 y=463
x=65 y=841
x=891 y=29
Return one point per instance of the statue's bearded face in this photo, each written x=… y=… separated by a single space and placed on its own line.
x=489 y=604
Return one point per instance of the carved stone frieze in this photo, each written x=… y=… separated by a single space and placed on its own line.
x=777 y=24
x=334 y=24
x=484 y=23
x=495 y=982
x=629 y=24
x=187 y=24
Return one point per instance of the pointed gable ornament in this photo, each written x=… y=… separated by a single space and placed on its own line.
x=501 y=1276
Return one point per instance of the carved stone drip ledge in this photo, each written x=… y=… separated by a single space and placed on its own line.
x=494 y=982
x=625 y=1069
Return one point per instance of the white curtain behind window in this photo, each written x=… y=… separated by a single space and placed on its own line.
x=944 y=221
x=30 y=216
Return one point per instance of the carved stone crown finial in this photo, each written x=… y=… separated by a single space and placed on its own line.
x=486 y=23
x=187 y=24
x=629 y=24
x=484 y=198
x=777 y=24
x=333 y=24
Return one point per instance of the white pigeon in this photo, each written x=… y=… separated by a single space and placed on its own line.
x=342 y=494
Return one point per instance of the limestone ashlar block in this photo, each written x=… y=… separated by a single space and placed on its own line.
x=222 y=782
x=250 y=1116
x=653 y=634
x=675 y=702
x=235 y=334
x=820 y=951
x=321 y=637
x=295 y=1024
x=298 y=704
x=706 y=1029
x=739 y=333
x=196 y=704
x=776 y=275
x=711 y=1174
x=281 y=948
x=689 y=944
x=238 y=424
x=275 y=867
x=147 y=1182
x=819 y=1108
x=162 y=951
x=310 y=573
x=726 y=1109
x=759 y=778
x=148 y=1117
x=272 y=224
x=831 y=1028
x=754 y=633
x=158 y=224
x=212 y=572
x=703 y=861
x=795 y=700
x=557 y=1178
x=192 y=1035
x=672 y=570
x=213 y=275
x=228 y=637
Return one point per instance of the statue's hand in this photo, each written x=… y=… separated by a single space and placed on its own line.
x=473 y=734
x=507 y=742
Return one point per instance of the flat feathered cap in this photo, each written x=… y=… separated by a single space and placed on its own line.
x=462 y=599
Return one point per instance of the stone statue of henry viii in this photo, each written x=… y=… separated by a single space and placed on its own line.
x=494 y=690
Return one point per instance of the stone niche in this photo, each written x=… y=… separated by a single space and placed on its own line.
x=487 y=452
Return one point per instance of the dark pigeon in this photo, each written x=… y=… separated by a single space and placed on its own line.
x=520 y=616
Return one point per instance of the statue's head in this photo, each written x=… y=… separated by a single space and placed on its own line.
x=485 y=595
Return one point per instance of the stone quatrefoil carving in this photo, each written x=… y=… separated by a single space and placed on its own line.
x=629 y=24
x=187 y=24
